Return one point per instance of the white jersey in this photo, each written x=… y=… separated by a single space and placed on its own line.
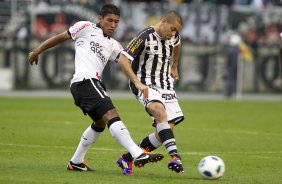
x=93 y=50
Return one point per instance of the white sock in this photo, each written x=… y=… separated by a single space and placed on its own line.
x=121 y=134
x=154 y=141
x=88 y=137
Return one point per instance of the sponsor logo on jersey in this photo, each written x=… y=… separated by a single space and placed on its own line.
x=79 y=29
x=97 y=49
x=136 y=45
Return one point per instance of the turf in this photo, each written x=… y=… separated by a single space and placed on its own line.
x=39 y=135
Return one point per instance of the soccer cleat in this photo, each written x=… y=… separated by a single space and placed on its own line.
x=147 y=157
x=125 y=166
x=78 y=167
x=175 y=165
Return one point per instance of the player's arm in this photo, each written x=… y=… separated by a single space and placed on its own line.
x=175 y=60
x=126 y=67
x=133 y=50
x=51 y=42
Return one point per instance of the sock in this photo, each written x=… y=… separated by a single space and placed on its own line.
x=90 y=135
x=150 y=143
x=121 y=134
x=167 y=137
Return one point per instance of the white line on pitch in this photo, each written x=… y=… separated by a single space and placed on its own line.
x=226 y=153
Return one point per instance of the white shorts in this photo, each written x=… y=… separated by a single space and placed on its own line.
x=168 y=98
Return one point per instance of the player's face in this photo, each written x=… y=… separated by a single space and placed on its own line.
x=168 y=30
x=109 y=23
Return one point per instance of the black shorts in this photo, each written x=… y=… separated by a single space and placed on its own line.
x=90 y=95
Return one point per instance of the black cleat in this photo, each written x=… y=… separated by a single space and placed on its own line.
x=175 y=165
x=147 y=157
x=78 y=167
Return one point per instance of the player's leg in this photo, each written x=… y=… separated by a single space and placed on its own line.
x=174 y=114
x=149 y=143
x=97 y=104
x=165 y=133
x=90 y=135
x=122 y=135
x=153 y=141
x=87 y=96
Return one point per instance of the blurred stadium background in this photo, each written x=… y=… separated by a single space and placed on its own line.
x=208 y=25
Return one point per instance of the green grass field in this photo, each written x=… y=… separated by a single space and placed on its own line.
x=39 y=135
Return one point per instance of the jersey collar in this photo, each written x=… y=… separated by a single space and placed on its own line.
x=99 y=26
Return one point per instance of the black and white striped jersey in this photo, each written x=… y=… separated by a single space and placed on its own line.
x=151 y=58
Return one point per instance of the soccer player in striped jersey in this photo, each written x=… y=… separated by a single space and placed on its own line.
x=154 y=55
x=94 y=47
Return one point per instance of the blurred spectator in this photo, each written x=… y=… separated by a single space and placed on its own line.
x=252 y=38
x=232 y=59
x=59 y=25
x=40 y=28
x=271 y=33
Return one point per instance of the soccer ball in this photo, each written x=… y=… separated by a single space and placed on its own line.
x=211 y=167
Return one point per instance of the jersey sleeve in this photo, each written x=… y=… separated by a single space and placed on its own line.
x=176 y=40
x=78 y=29
x=136 y=45
x=117 y=48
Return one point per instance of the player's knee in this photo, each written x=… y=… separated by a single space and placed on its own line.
x=109 y=115
x=158 y=111
x=113 y=120
x=98 y=126
x=171 y=124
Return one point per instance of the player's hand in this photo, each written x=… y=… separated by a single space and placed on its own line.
x=175 y=76
x=33 y=57
x=143 y=89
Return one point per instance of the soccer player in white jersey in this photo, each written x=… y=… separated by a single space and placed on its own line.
x=157 y=69
x=94 y=47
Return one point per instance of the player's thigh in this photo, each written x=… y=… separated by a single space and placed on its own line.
x=174 y=112
x=153 y=96
x=92 y=98
x=153 y=104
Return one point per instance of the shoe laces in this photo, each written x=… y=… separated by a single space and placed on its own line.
x=146 y=150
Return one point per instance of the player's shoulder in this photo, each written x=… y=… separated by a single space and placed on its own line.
x=115 y=42
x=143 y=35
x=84 y=23
x=146 y=31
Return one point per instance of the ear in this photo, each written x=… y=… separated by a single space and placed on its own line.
x=100 y=18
